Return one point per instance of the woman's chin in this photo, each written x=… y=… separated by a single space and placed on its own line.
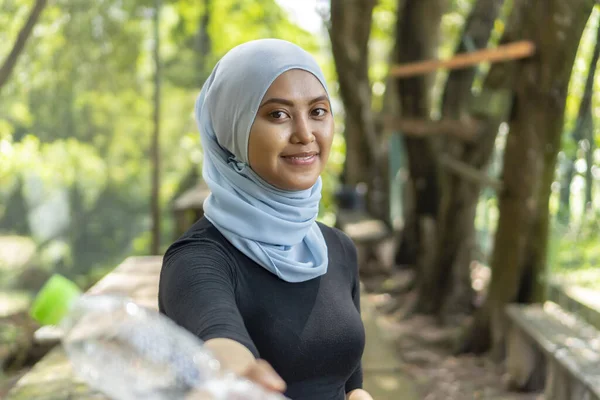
x=297 y=184
x=298 y=178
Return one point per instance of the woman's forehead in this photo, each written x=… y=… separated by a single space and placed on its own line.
x=296 y=83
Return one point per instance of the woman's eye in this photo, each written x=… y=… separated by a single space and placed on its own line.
x=277 y=114
x=319 y=112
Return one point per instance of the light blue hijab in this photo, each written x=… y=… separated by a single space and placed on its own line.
x=275 y=228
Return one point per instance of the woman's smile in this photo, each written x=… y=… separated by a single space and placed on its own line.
x=301 y=159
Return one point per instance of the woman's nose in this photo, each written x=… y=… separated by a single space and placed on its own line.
x=303 y=133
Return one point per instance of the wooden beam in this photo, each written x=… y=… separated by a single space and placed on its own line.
x=470 y=173
x=511 y=51
x=465 y=130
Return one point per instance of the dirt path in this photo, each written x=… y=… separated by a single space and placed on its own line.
x=422 y=352
x=383 y=376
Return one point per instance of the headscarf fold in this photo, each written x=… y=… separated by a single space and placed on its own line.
x=275 y=228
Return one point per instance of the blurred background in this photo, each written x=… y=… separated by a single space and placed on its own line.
x=466 y=186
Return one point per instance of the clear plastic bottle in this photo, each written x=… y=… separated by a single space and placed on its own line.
x=130 y=352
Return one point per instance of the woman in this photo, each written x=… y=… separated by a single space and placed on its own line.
x=258 y=279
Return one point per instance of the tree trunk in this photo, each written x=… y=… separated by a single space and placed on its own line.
x=585 y=123
x=155 y=145
x=589 y=162
x=203 y=48
x=564 y=211
x=203 y=40
x=349 y=32
x=450 y=271
x=532 y=145
x=19 y=45
x=14 y=215
x=417 y=36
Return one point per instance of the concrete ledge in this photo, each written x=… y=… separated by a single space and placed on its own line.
x=52 y=378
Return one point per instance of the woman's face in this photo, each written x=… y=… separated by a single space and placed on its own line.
x=292 y=133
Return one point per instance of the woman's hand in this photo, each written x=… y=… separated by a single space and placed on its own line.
x=259 y=372
x=262 y=373
x=358 y=394
x=236 y=357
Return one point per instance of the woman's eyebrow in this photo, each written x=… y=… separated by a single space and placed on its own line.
x=278 y=101
x=318 y=99
x=290 y=103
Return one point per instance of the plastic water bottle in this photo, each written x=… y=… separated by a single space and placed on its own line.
x=130 y=352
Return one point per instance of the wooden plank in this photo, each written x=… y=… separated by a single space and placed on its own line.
x=466 y=130
x=361 y=227
x=470 y=173
x=192 y=198
x=507 y=52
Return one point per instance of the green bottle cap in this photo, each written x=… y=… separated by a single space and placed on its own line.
x=54 y=300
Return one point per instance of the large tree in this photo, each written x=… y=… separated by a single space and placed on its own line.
x=155 y=141
x=349 y=31
x=417 y=37
x=536 y=123
x=448 y=271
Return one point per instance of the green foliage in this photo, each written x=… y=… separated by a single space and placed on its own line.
x=577 y=83
x=574 y=254
x=76 y=119
x=231 y=22
x=380 y=46
x=451 y=28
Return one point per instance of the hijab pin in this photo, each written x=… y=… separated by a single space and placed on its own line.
x=237 y=165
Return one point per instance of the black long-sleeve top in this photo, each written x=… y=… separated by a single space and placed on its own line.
x=310 y=332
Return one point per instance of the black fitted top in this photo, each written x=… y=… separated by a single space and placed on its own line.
x=310 y=332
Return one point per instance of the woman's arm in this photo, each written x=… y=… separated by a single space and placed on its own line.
x=196 y=290
x=358 y=394
x=232 y=355
x=237 y=358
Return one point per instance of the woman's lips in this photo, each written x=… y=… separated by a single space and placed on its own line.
x=301 y=158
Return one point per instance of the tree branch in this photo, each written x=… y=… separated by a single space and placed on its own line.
x=470 y=173
x=466 y=130
x=19 y=45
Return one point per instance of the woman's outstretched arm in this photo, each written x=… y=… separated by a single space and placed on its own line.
x=358 y=394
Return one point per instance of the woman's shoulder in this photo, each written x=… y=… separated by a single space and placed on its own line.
x=336 y=238
x=342 y=251
x=201 y=243
x=194 y=267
